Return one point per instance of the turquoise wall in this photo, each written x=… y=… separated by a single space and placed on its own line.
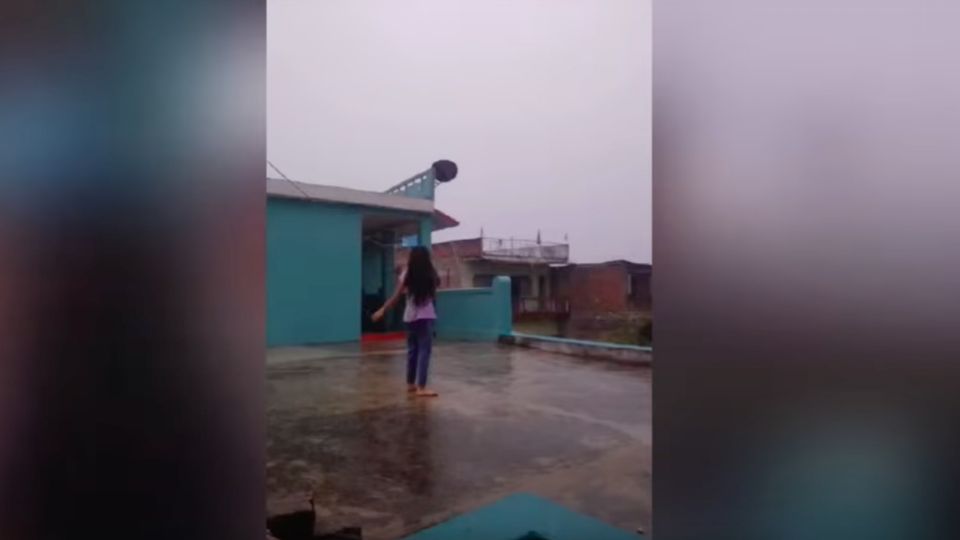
x=425 y=235
x=482 y=314
x=313 y=273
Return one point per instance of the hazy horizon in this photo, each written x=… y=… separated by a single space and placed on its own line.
x=544 y=105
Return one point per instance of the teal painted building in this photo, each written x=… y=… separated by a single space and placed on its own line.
x=330 y=255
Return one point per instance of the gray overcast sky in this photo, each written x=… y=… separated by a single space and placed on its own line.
x=544 y=105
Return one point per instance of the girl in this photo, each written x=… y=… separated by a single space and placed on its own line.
x=419 y=283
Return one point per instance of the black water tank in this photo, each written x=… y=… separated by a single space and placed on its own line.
x=445 y=170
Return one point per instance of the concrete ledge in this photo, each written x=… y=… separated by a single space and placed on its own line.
x=631 y=354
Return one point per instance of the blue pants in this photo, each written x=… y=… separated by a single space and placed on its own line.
x=419 y=347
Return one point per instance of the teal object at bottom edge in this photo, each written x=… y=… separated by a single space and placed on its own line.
x=523 y=517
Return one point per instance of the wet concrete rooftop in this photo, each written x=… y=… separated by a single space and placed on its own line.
x=340 y=424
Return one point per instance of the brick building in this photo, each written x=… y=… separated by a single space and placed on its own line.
x=608 y=301
x=610 y=287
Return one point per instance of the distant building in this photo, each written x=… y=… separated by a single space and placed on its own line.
x=544 y=284
x=474 y=262
x=610 y=287
x=608 y=301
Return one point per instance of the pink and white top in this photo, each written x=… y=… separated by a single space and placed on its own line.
x=414 y=312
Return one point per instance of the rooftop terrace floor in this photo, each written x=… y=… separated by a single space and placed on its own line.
x=340 y=423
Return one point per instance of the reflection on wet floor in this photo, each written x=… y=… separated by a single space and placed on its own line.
x=341 y=425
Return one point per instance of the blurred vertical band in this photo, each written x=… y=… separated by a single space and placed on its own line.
x=132 y=158
x=806 y=239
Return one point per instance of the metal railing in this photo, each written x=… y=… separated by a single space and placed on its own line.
x=541 y=306
x=525 y=250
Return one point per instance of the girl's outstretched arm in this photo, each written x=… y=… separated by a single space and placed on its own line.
x=389 y=305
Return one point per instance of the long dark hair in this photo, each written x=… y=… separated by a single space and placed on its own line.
x=422 y=279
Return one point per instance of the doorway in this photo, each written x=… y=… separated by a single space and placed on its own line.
x=373 y=286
